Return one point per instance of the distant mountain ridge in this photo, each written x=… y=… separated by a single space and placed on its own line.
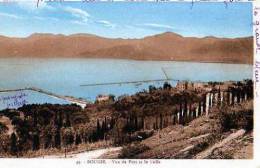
x=165 y=46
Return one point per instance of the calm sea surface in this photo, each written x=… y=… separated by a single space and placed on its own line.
x=64 y=76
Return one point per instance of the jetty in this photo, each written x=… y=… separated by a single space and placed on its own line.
x=78 y=101
x=127 y=82
x=166 y=79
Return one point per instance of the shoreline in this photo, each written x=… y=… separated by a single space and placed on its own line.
x=125 y=59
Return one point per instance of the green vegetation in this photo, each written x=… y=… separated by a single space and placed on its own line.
x=127 y=120
x=3 y=128
x=42 y=126
x=236 y=118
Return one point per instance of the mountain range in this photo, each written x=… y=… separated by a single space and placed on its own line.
x=165 y=46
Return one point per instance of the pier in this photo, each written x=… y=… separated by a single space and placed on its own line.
x=80 y=102
x=128 y=82
x=166 y=79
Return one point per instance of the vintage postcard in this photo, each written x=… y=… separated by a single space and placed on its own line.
x=109 y=82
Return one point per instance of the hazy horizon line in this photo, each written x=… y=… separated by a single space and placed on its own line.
x=125 y=38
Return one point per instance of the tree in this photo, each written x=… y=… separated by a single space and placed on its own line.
x=190 y=112
x=210 y=99
x=67 y=123
x=194 y=113
x=233 y=96
x=98 y=132
x=60 y=120
x=142 y=122
x=156 y=123
x=105 y=124
x=185 y=110
x=13 y=144
x=249 y=86
x=199 y=110
x=35 y=118
x=3 y=128
x=112 y=97
x=213 y=98
x=219 y=96
x=161 y=121
x=103 y=129
x=228 y=97
x=4 y=143
x=175 y=116
x=47 y=140
x=56 y=122
x=135 y=123
x=238 y=95
x=154 y=127
x=68 y=136
x=152 y=88
x=112 y=123
x=36 y=141
x=180 y=115
x=57 y=139
x=78 y=139
x=204 y=104
x=46 y=114
x=166 y=86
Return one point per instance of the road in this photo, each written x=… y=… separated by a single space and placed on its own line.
x=93 y=154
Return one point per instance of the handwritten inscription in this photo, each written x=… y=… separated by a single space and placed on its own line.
x=14 y=101
x=257 y=70
x=256 y=24
x=192 y=1
x=257 y=39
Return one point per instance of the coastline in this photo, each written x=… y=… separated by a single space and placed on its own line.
x=126 y=59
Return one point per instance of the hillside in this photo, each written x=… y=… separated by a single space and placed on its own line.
x=163 y=122
x=166 y=46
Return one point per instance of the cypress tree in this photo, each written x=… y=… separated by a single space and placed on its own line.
x=210 y=99
x=68 y=124
x=98 y=130
x=60 y=120
x=57 y=139
x=174 y=117
x=228 y=97
x=47 y=140
x=136 y=123
x=233 y=96
x=204 y=103
x=56 y=119
x=161 y=121
x=219 y=96
x=180 y=115
x=199 y=110
x=142 y=121
x=103 y=129
x=185 y=112
x=35 y=119
x=194 y=113
x=190 y=112
x=213 y=98
x=112 y=123
x=238 y=95
x=36 y=141
x=156 y=123
x=105 y=124
x=13 y=144
x=78 y=139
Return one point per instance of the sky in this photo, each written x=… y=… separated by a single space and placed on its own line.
x=126 y=19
